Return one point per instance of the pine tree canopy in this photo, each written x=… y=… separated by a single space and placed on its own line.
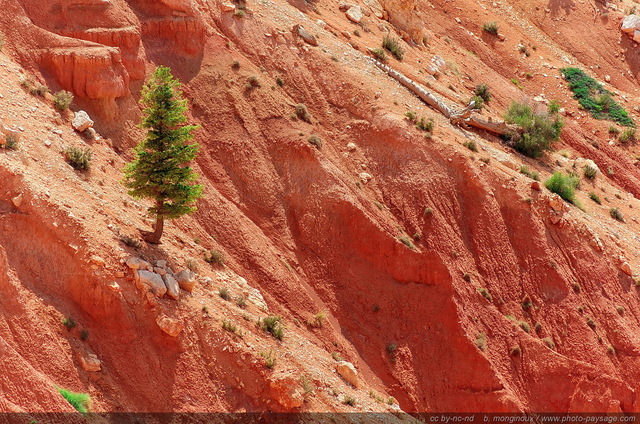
x=160 y=170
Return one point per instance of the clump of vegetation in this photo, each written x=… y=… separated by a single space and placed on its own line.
x=273 y=324
x=235 y=64
x=407 y=242
x=379 y=54
x=549 y=342
x=269 y=359
x=411 y=116
x=490 y=28
x=62 y=100
x=231 y=327
x=485 y=293
x=315 y=140
x=591 y=323
x=563 y=185
x=280 y=82
x=393 y=46
x=537 y=132
x=616 y=214
x=526 y=303
x=252 y=83
x=471 y=145
x=594 y=98
x=241 y=301
x=525 y=326
x=515 y=351
x=627 y=136
x=303 y=113
x=79 y=159
x=589 y=171
x=620 y=309
x=534 y=175
x=214 y=257
x=593 y=196
x=317 y=320
x=10 y=142
x=223 y=292
x=481 y=341
x=483 y=91
x=69 y=322
x=349 y=400
x=80 y=401
x=425 y=124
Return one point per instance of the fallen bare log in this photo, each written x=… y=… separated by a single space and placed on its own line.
x=461 y=118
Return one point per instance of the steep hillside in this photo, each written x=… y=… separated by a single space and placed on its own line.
x=448 y=278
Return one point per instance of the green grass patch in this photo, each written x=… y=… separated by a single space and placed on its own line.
x=80 y=401
x=594 y=98
x=538 y=131
x=563 y=185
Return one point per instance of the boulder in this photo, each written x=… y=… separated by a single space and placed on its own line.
x=173 y=288
x=536 y=186
x=185 y=279
x=354 y=14
x=17 y=200
x=365 y=177
x=348 y=372
x=375 y=7
x=137 y=263
x=171 y=326
x=81 y=121
x=556 y=203
x=630 y=24
x=305 y=35
x=89 y=362
x=351 y=147
x=626 y=268
x=286 y=392
x=153 y=282
x=227 y=7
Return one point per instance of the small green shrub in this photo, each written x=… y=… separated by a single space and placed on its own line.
x=84 y=334
x=241 y=301
x=231 y=327
x=590 y=172
x=303 y=113
x=269 y=359
x=534 y=175
x=525 y=326
x=563 y=185
x=483 y=91
x=214 y=257
x=425 y=124
x=235 y=64
x=80 y=401
x=471 y=145
x=515 y=351
x=273 y=324
x=627 y=136
x=252 y=82
x=223 y=292
x=62 y=100
x=549 y=342
x=79 y=159
x=411 y=116
x=591 y=323
x=616 y=214
x=379 y=54
x=490 y=28
x=315 y=140
x=10 y=142
x=317 y=320
x=392 y=347
x=349 y=400
x=538 y=131
x=593 y=196
x=393 y=46
x=485 y=293
x=478 y=102
x=280 y=82
x=69 y=322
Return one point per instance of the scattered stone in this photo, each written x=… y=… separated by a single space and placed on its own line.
x=153 y=282
x=375 y=7
x=536 y=186
x=171 y=326
x=630 y=24
x=354 y=14
x=226 y=7
x=322 y=24
x=305 y=35
x=626 y=268
x=607 y=78
x=351 y=147
x=161 y=264
x=119 y=274
x=365 y=177
x=98 y=260
x=346 y=34
x=186 y=280
x=89 y=362
x=556 y=203
x=173 y=288
x=348 y=372
x=81 y=121
x=134 y=263
x=17 y=201
x=159 y=271
x=286 y=392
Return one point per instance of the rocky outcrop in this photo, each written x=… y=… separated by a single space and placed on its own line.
x=171 y=326
x=631 y=26
x=179 y=34
x=81 y=121
x=89 y=361
x=286 y=392
x=150 y=281
x=403 y=15
x=348 y=372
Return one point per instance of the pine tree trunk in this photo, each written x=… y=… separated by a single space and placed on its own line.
x=154 y=237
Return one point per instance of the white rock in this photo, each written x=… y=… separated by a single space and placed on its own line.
x=81 y=121
x=354 y=14
x=226 y=7
x=185 y=279
x=630 y=24
x=173 y=288
x=17 y=201
x=365 y=177
x=351 y=147
x=636 y=36
x=153 y=282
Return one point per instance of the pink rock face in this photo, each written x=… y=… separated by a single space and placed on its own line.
x=402 y=15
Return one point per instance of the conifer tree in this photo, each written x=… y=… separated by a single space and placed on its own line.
x=161 y=169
